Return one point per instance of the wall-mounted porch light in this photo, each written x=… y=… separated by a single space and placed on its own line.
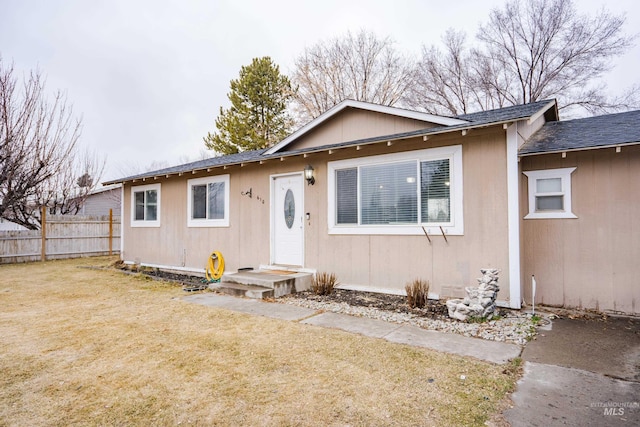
x=308 y=175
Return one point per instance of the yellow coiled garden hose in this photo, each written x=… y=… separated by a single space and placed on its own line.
x=213 y=272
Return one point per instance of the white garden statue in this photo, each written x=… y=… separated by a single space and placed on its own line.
x=481 y=301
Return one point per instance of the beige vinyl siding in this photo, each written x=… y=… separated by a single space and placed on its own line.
x=381 y=262
x=352 y=124
x=244 y=243
x=592 y=261
x=388 y=262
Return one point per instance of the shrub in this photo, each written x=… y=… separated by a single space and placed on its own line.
x=417 y=292
x=323 y=283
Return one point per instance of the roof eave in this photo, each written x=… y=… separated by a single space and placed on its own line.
x=273 y=153
x=369 y=141
x=568 y=150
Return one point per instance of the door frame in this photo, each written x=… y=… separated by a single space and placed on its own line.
x=272 y=207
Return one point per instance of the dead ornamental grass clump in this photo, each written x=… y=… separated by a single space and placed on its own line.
x=323 y=283
x=417 y=293
x=98 y=347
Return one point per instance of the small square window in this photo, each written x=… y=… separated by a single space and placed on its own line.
x=550 y=193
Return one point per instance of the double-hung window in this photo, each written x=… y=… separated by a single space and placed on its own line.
x=208 y=201
x=145 y=205
x=397 y=193
x=550 y=193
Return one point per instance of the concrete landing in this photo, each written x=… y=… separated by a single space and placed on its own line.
x=262 y=284
x=241 y=290
x=490 y=351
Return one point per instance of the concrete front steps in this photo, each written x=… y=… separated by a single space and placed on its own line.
x=261 y=284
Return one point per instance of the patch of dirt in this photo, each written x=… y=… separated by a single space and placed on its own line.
x=388 y=302
x=396 y=303
x=186 y=280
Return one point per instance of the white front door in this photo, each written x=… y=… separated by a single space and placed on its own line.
x=287 y=213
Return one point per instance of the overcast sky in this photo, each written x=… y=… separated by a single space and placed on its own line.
x=149 y=76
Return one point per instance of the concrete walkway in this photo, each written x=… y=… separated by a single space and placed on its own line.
x=549 y=395
x=490 y=351
x=580 y=372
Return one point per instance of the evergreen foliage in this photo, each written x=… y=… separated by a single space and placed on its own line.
x=258 y=116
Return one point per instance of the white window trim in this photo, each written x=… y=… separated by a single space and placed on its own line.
x=454 y=227
x=145 y=223
x=224 y=222
x=565 y=176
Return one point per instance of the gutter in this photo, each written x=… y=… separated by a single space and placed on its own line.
x=425 y=134
x=568 y=150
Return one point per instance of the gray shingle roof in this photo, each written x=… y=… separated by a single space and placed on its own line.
x=230 y=159
x=513 y=112
x=480 y=119
x=589 y=132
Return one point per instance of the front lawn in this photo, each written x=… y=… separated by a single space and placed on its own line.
x=81 y=346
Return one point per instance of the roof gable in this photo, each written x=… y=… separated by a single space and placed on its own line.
x=350 y=103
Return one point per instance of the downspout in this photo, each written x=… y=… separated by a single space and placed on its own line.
x=513 y=216
x=122 y=227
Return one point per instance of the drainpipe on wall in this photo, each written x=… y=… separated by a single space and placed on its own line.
x=513 y=217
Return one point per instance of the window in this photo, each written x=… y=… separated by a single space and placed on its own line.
x=145 y=206
x=397 y=193
x=550 y=193
x=208 y=202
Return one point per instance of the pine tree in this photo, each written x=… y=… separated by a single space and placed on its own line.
x=258 y=115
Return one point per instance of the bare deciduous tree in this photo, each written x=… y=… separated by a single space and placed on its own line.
x=361 y=67
x=528 y=51
x=447 y=82
x=39 y=160
x=65 y=192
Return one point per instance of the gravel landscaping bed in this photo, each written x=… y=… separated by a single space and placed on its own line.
x=507 y=326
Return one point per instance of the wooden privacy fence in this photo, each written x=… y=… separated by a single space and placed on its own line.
x=62 y=236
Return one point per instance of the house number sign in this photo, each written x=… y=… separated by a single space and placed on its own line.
x=289 y=208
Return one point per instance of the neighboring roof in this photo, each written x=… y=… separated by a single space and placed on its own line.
x=548 y=108
x=586 y=133
x=105 y=188
x=350 y=103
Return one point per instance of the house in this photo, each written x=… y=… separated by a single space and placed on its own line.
x=393 y=195
x=10 y=226
x=102 y=200
x=585 y=251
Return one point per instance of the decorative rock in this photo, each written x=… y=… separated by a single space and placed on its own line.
x=480 y=301
x=513 y=326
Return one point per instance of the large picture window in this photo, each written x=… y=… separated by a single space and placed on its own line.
x=208 y=204
x=145 y=206
x=397 y=193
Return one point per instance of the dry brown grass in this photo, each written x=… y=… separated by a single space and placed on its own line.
x=96 y=347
